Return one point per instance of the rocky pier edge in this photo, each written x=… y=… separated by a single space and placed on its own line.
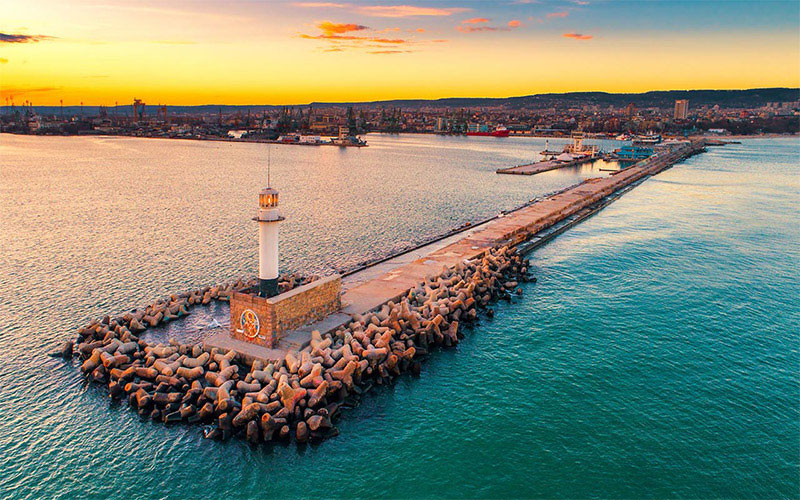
x=299 y=397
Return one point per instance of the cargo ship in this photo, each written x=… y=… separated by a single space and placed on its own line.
x=483 y=130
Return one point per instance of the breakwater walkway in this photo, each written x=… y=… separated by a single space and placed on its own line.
x=389 y=280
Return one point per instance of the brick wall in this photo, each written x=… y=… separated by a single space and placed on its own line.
x=306 y=304
x=244 y=301
x=287 y=311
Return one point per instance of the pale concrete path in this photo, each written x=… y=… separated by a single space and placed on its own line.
x=375 y=271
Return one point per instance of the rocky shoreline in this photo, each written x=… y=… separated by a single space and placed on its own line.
x=300 y=397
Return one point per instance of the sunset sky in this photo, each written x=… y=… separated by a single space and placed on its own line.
x=271 y=52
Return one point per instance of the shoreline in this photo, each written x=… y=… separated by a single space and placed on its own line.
x=271 y=141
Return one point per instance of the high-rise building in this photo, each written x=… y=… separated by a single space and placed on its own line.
x=681 y=109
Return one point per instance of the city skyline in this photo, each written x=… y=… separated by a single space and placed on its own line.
x=297 y=52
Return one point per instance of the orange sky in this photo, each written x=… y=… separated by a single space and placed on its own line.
x=252 y=52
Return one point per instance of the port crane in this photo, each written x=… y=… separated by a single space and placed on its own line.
x=138 y=109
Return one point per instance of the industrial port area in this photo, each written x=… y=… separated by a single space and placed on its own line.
x=608 y=116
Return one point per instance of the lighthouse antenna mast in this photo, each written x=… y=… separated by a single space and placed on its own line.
x=269 y=157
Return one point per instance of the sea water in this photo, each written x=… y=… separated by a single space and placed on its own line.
x=657 y=356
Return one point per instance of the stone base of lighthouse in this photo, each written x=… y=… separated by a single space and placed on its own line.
x=264 y=321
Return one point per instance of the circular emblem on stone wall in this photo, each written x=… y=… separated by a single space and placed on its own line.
x=250 y=324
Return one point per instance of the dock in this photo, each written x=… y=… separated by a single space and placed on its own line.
x=544 y=166
x=529 y=226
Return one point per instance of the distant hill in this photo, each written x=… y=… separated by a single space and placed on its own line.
x=750 y=98
x=659 y=98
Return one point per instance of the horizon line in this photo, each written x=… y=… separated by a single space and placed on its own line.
x=430 y=99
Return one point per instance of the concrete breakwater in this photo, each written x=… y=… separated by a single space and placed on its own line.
x=397 y=322
x=300 y=395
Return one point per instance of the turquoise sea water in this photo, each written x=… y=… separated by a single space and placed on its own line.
x=656 y=357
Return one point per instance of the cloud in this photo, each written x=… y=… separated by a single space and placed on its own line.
x=13 y=92
x=330 y=28
x=577 y=36
x=476 y=29
x=390 y=51
x=580 y=2
x=563 y=13
x=334 y=37
x=388 y=40
x=408 y=11
x=347 y=36
x=475 y=20
x=469 y=25
x=440 y=40
x=320 y=5
x=19 y=38
x=338 y=33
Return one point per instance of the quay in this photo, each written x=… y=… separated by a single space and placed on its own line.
x=545 y=166
x=368 y=289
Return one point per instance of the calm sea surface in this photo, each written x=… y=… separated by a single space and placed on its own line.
x=658 y=356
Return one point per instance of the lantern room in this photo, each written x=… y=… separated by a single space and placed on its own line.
x=268 y=205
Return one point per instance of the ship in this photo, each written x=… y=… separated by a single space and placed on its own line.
x=649 y=138
x=483 y=130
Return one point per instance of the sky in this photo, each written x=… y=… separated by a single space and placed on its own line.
x=102 y=52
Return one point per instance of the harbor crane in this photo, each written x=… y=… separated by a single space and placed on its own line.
x=138 y=109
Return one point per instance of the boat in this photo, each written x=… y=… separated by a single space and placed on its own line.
x=289 y=139
x=483 y=130
x=633 y=153
x=348 y=141
x=649 y=138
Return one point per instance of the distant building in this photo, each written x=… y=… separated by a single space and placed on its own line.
x=681 y=109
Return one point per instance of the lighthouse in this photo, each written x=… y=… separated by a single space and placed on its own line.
x=262 y=315
x=268 y=218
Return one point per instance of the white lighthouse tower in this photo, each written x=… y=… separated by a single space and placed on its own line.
x=268 y=218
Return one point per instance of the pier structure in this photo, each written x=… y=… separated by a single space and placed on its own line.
x=370 y=288
x=572 y=155
x=360 y=296
x=546 y=165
